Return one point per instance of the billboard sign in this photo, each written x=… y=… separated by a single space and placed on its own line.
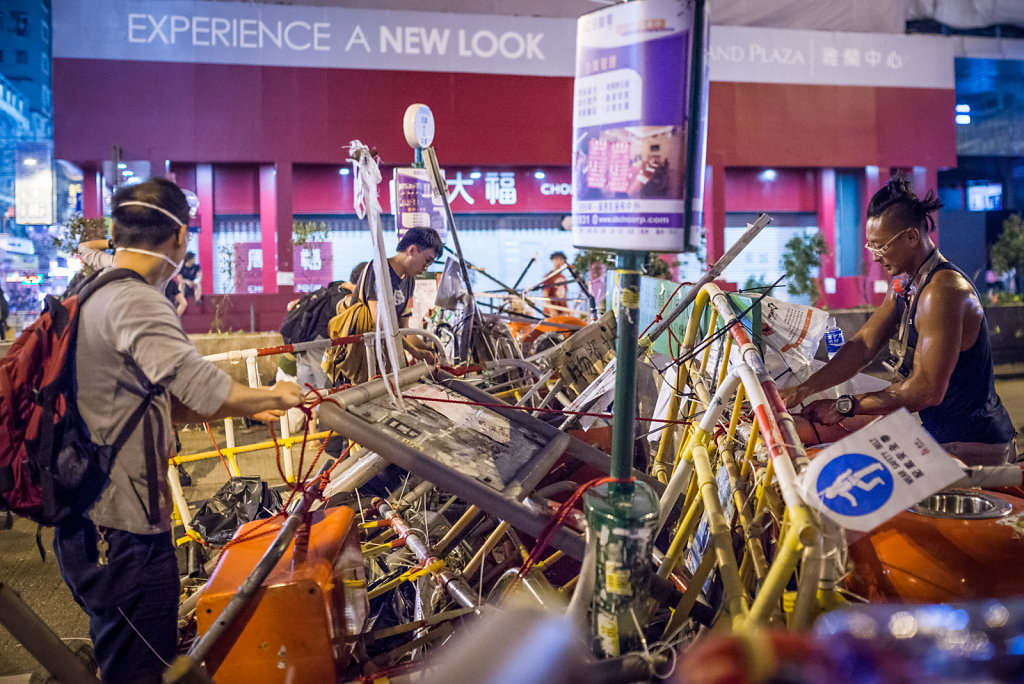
x=265 y=34
x=33 y=184
x=631 y=120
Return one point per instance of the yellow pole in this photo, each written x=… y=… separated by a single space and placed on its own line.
x=259 y=446
x=720 y=537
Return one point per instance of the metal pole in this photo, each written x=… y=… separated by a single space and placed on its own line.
x=697 y=110
x=454 y=584
x=628 y=267
x=37 y=637
x=622 y=515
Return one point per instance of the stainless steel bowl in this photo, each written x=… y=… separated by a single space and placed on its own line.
x=961 y=504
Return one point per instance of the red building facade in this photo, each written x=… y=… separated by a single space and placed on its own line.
x=269 y=140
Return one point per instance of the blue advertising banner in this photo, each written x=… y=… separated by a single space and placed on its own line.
x=631 y=113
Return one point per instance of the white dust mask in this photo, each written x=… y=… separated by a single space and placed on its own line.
x=176 y=264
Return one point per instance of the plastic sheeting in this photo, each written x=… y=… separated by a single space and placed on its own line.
x=240 y=500
x=966 y=14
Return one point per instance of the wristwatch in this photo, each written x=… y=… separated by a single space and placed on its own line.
x=846 y=405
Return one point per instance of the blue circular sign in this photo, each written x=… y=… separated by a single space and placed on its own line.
x=854 y=484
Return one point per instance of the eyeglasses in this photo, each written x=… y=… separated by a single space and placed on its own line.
x=879 y=252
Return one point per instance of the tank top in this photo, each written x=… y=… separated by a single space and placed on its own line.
x=971 y=410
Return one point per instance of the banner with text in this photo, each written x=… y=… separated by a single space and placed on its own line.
x=414 y=202
x=258 y=34
x=503 y=190
x=631 y=114
x=302 y=36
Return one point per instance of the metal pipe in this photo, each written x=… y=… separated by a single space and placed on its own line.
x=39 y=640
x=457 y=483
x=623 y=420
x=367 y=391
x=452 y=583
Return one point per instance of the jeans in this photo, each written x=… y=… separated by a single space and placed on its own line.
x=132 y=602
x=308 y=370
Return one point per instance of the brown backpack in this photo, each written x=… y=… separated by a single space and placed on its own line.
x=347 y=363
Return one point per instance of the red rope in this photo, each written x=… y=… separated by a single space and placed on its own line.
x=606 y=416
x=216 y=446
x=559 y=519
x=664 y=306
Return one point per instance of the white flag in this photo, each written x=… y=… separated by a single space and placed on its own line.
x=884 y=468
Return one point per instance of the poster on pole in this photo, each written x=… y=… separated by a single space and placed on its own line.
x=885 y=467
x=415 y=203
x=633 y=123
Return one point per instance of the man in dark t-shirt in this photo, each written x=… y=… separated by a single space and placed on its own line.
x=173 y=293
x=191 y=275
x=416 y=251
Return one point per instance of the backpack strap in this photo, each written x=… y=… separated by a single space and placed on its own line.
x=152 y=466
x=152 y=391
x=101 y=278
x=358 y=296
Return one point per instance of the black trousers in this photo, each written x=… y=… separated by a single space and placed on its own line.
x=132 y=602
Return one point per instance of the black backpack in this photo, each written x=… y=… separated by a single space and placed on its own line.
x=308 y=318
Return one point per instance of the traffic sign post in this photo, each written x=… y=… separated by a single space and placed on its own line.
x=638 y=161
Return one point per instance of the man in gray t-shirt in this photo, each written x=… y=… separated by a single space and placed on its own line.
x=119 y=560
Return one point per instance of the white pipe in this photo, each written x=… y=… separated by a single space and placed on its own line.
x=178 y=495
x=991 y=476
x=236 y=355
x=251 y=371
x=229 y=432
x=356 y=475
x=536 y=387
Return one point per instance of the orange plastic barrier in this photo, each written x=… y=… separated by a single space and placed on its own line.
x=307 y=614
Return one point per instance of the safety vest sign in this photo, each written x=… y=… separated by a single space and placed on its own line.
x=884 y=468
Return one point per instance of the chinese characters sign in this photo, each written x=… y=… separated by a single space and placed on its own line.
x=885 y=467
x=312 y=264
x=248 y=268
x=631 y=117
x=498 y=190
x=744 y=54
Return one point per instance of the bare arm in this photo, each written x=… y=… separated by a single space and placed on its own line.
x=857 y=353
x=942 y=313
x=244 y=401
x=419 y=348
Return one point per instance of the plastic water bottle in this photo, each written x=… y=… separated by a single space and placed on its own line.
x=834 y=339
